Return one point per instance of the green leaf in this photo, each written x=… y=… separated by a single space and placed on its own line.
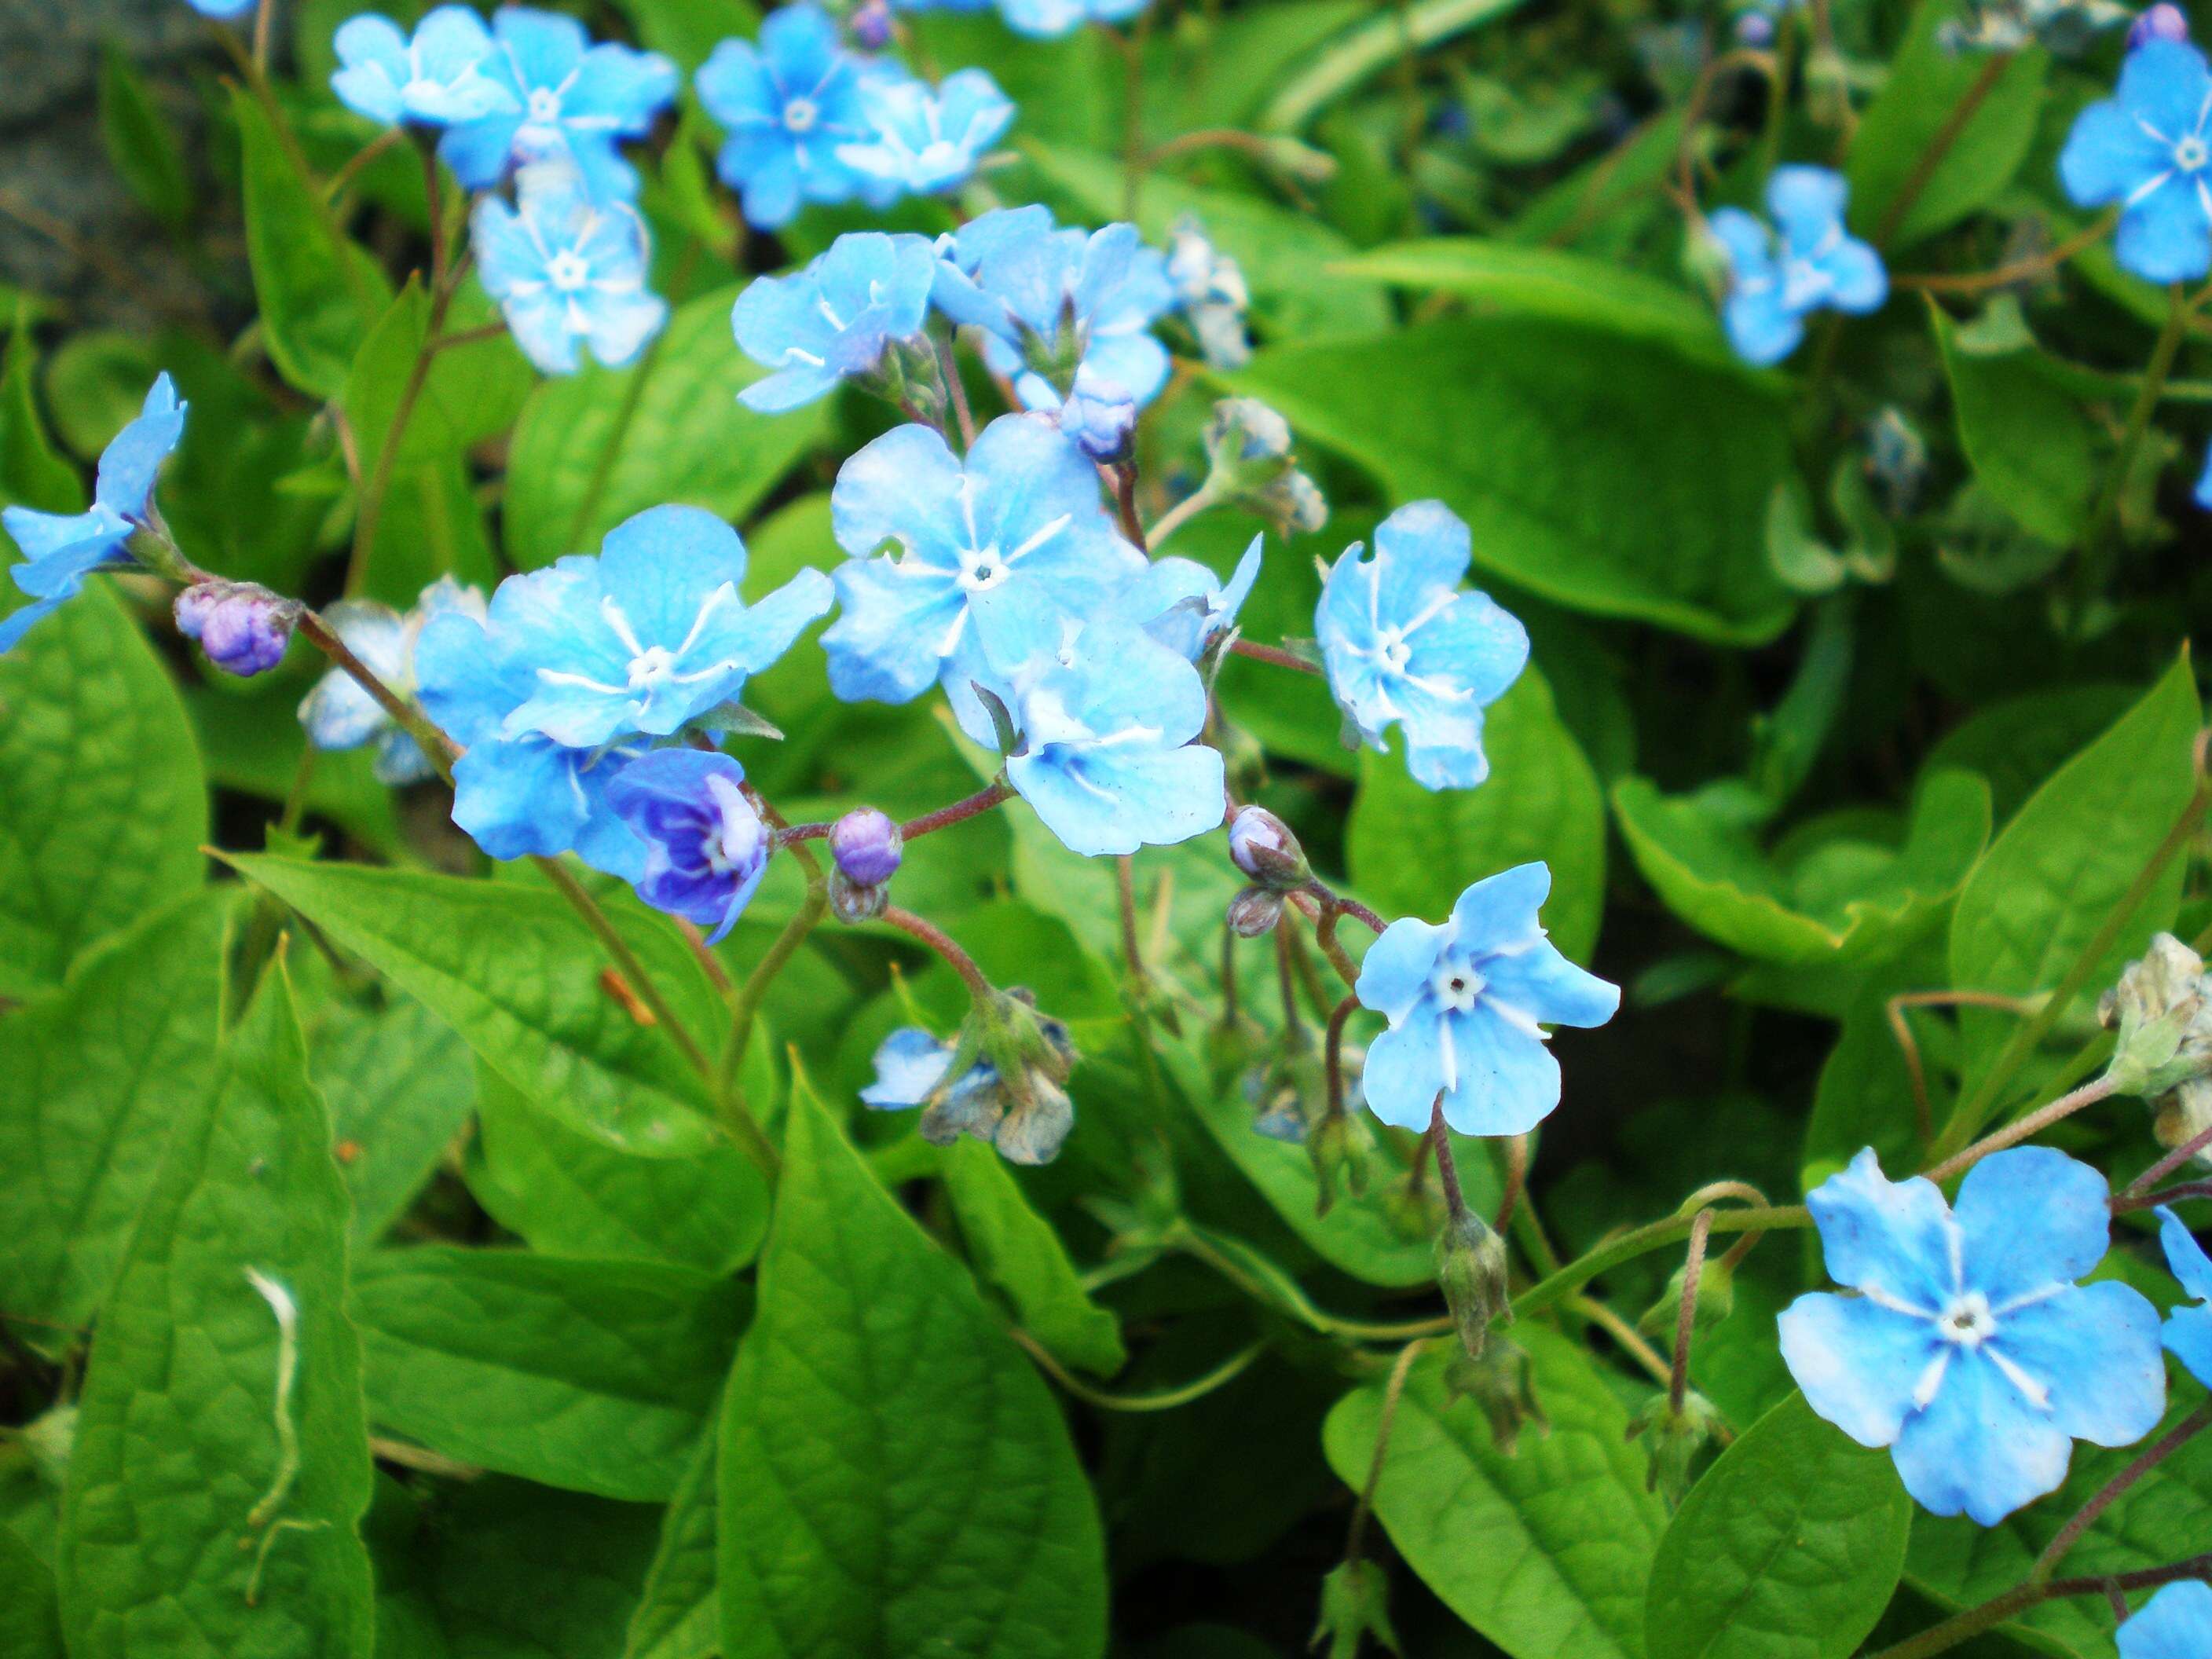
x=2053 y=878
x=595 y=1377
x=2031 y=445
x=1787 y=1548
x=1015 y=1252
x=102 y=805
x=31 y=473
x=517 y=972
x=30 y=1617
x=1546 y=1552
x=1919 y=101
x=1864 y=1096
x=967 y=1525
x=401 y=1086
x=190 y=1526
x=2018 y=743
x=1611 y=476
x=98 y=1073
x=1413 y=850
x=593 y=448
x=678 y=1617
x=688 y=31
x=140 y=141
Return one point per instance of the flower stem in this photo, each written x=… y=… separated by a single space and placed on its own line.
x=1940 y=147
x=959 y=812
x=1686 y=1314
x=2085 y=1516
x=436 y=746
x=1179 y=514
x=1447 y=1166
x=1269 y=654
x=2021 y=1128
x=2166 y=1166
x=979 y=987
x=1974 y=1620
x=1162 y=1400
x=2095 y=563
x=1355 y=1535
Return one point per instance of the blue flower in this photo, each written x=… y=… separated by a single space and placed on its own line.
x=570 y=102
x=223 y=8
x=2174 y=1624
x=566 y=270
x=60 y=549
x=436 y=78
x=790 y=103
x=1210 y=288
x=1108 y=757
x=994 y=552
x=1184 y=606
x=833 y=319
x=646 y=637
x=1969 y=1350
x=910 y=1066
x=1044 y=18
x=924 y=139
x=1775 y=281
x=1402 y=643
x=338 y=714
x=2146 y=148
x=1465 y=1002
x=2188 y=1333
x=706 y=847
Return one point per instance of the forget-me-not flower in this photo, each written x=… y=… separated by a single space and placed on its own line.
x=1210 y=288
x=924 y=139
x=910 y=1066
x=570 y=101
x=2188 y=1331
x=338 y=714
x=1466 y=1003
x=2148 y=148
x=706 y=847
x=1402 y=643
x=1184 y=606
x=60 y=549
x=790 y=102
x=433 y=79
x=833 y=319
x=994 y=552
x=1808 y=263
x=1107 y=757
x=647 y=636
x=567 y=272
x=1042 y=19
x=2174 y=1624
x=1969 y=1351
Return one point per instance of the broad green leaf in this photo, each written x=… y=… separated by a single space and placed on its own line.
x=1864 y=1096
x=2032 y=447
x=31 y=473
x=98 y=1073
x=2020 y=742
x=140 y=141
x=1611 y=476
x=2054 y=877
x=30 y=1617
x=1920 y=98
x=517 y=972
x=894 y=1474
x=255 y=744
x=572 y=1195
x=1787 y=1548
x=221 y=1467
x=1546 y=1552
x=1413 y=850
x=102 y=805
x=595 y=1376
x=400 y=1084
x=678 y=1617
x=688 y=31
x=1015 y=1251
x=1845 y=900
x=593 y=448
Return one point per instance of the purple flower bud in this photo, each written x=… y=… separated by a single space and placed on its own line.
x=2162 y=22
x=872 y=25
x=242 y=627
x=1754 y=28
x=1262 y=847
x=867 y=846
x=706 y=847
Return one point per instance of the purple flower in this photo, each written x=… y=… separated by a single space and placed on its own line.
x=705 y=846
x=242 y=626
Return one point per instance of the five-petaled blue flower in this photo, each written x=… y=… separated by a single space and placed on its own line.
x=1401 y=642
x=338 y=714
x=570 y=102
x=2188 y=1332
x=2174 y=1624
x=2147 y=148
x=995 y=552
x=60 y=549
x=924 y=139
x=647 y=636
x=1969 y=1350
x=835 y=318
x=706 y=847
x=1109 y=758
x=568 y=271
x=434 y=79
x=1044 y=18
x=1466 y=1003
x=790 y=103
x=1184 y=606
x=1810 y=262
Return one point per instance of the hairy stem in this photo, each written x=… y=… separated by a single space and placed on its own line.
x=2085 y=1517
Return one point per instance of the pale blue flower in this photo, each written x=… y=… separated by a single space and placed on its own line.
x=910 y=1066
x=223 y=9
x=790 y=103
x=567 y=272
x=434 y=79
x=1210 y=288
x=2174 y=1624
x=60 y=549
x=1969 y=1350
x=338 y=714
x=1467 y=1002
x=1402 y=643
x=2204 y=482
x=924 y=139
x=1184 y=606
x=1042 y=19
x=570 y=101
x=2188 y=1332
x=706 y=847
x=2147 y=149
x=647 y=636
x=833 y=319
x=1809 y=263
x=994 y=552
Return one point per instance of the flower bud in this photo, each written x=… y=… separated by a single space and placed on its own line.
x=1499 y=1380
x=2184 y=1115
x=2163 y=21
x=1254 y=913
x=1262 y=847
x=852 y=903
x=1102 y=419
x=1897 y=461
x=867 y=846
x=242 y=626
x=1676 y=1438
x=1355 y=1603
x=872 y=25
x=1248 y=448
x=48 y=1440
x=1339 y=1146
x=2162 y=1006
x=1002 y=1081
x=1471 y=1274
x=1716 y=1299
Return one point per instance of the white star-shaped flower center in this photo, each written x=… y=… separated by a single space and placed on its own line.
x=569 y=272
x=1967 y=1321
x=1392 y=650
x=2191 y=153
x=1455 y=986
x=655 y=666
x=983 y=568
x=544 y=106
x=799 y=114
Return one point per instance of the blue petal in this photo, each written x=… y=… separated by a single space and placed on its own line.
x=59 y=550
x=1857 y=282
x=905 y=487
x=2165 y=82
x=1474 y=644
x=1979 y=1447
x=2108 y=156
x=1894 y=1237
x=2184 y=1256
x=519 y=797
x=1544 y=985
x=1501 y=910
x=909 y=1064
x=2094 y=1349
x=885 y=647
x=2204 y=482
x=1394 y=975
x=1404 y=1073
x=464 y=685
x=373 y=53
x=1806 y=202
x=662 y=566
x=477 y=151
x=544 y=47
x=19 y=622
x=1503 y=1078
x=1858 y=1363
x=1760 y=328
x=1111 y=801
x=2030 y=1217
x=2166 y=236
x=2174 y=1624
x=2187 y=1336
x=1421 y=547
x=128 y=467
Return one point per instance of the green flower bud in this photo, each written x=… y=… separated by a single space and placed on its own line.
x=2162 y=1006
x=1716 y=1299
x=1471 y=1271
x=1355 y=1603
x=49 y=1439
x=1251 y=465
x=1498 y=1381
x=1339 y=1146
x=1676 y=1439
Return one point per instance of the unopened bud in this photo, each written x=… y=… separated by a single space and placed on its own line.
x=1262 y=847
x=1716 y=1299
x=1355 y=1604
x=2161 y=23
x=1339 y=1146
x=1673 y=1440
x=1499 y=1380
x=242 y=626
x=1254 y=913
x=2162 y=1006
x=871 y=24
x=867 y=846
x=852 y=903
x=1471 y=1271
x=1101 y=417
